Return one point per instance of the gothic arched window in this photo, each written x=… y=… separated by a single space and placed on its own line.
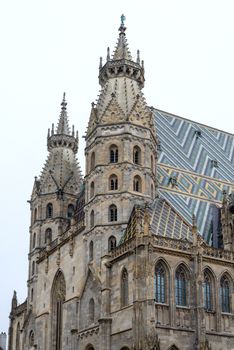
x=91 y=251
x=124 y=287
x=58 y=296
x=33 y=268
x=91 y=189
x=49 y=210
x=32 y=294
x=113 y=183
x=31 y=338
x=114 y=154
x=92 y=219
x=113 y=215
x=137 y=185
x=35 y=215
x=92 y=162
x=173 y=347
x=34 y=240
x=70 y=210
x=136 y=155
x=152 y=163
x=225 y=295
x=160 y=283
x=208 y=292
x=152 y=191
x=91 y=310
x=181 y=286
x=17 y=339
x=111 y=243
x=48 y=236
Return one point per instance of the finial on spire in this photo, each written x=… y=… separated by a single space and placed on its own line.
x=122 y=27
x=138 y=56
x=123 y=18
x=64 y=103
x=100 y=64
x=108 y=54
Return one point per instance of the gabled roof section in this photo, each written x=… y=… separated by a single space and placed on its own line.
x=160 y=219
x=195 y=166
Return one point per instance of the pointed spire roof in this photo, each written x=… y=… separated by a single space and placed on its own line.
x=121 y=64
x=63 y=126
x=122 y=51
x=61 y=171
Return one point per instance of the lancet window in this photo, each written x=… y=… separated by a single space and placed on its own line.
x=58 y=298
x=160 y=283
x=113 y=214
x=49 y=210
x=113 y=183
x=181 y=287
x=137 y=185
x=136 y=155
x=111 y=243
x=208 y=292
x=225 y=295
x=124 y=287
x=114 y=154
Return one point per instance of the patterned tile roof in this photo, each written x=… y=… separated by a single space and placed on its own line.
x=195 y=166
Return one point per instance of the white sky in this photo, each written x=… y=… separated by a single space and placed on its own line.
x=51 y=46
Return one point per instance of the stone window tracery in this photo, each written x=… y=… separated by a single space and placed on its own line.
x=181 y=287
x=124 y=287
x=113 y=183
x=137 y=184
x=49 y=210
x=136 y=155
x=113 y=214
x=208 y=292
x=160 y=283
x=114 y=154
x=225 y=295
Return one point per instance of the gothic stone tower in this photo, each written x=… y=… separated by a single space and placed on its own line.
x=120 y=148
x=52 y=205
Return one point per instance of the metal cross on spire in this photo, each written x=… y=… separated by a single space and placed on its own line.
x=123 y=18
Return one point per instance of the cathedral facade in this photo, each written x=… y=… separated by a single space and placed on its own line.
x=139 y=253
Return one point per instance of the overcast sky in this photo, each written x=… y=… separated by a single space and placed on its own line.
x=52 y=46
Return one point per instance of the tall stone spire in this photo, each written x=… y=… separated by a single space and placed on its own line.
x=63 y=127
x=61 y=171
x=121 y=50
x=122 y=79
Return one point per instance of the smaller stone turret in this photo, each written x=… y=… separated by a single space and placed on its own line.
x=227 y=219
x=3 y=339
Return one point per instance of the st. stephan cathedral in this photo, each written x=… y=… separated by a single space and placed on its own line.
x=139 y=253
